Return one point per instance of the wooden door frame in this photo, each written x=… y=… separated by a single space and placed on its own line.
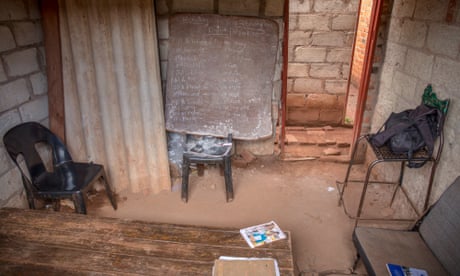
x=49 y=10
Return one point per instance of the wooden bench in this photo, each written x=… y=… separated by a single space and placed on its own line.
x=61 y=243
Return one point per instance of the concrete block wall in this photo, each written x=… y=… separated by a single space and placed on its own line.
x=423 y=47
x=320 y=46
x=23 y=86
x=272 y=9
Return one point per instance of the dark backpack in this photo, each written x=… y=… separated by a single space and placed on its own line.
x=409 y=131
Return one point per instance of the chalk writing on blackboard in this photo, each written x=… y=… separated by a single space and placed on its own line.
x=220 y=75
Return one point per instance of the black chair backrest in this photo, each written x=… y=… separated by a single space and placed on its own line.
x=22 y=140
x=441 y=228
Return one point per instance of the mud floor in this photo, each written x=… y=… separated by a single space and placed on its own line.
x=300 y=196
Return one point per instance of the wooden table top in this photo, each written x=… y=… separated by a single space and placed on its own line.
x=46 y=242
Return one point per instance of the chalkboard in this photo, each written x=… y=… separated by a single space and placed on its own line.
x=220 y=75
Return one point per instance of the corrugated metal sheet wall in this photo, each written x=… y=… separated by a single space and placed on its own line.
x=112 y=89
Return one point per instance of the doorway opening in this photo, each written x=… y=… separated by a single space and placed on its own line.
x=327 y=47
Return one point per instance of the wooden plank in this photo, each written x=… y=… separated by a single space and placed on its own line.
x=119 y=244
x=50 y=23
x=27 y=238
x=74 y=259
x=129 y=228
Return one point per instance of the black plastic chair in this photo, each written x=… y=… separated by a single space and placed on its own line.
x=218 y=154
x=67 y=180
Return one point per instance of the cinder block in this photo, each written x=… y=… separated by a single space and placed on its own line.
x=333 y=117
x=13 y=94
x=42 y=55
x=12 y=188
x=339 y=6
x=12 y=10
x=2 y=74
x=404 y=86
x=309 y=54
x=307 y=85
x=325 y=71
x=290 y=83
x=300 y=6
x=8 y=120
x=259 y=147
x=11 y=184
x=344 y=22
x=345 y=70
x=321 y=101
x=6 y=39
x=239 y=7
x=339 y=55
x=5 y=160
x=205 y=6
x=295 y=100
x=163 y=27
x=293 y=22
x=39 y=83
x=35 y=110
x=163 y=70
x=302 y=116
x=333 y=39
x=313 y=22
x=164 y=47
x=430 y=10
x=444 y=39
x=413 y=33
x=403 y=8
x=446 y=72
x=395 y=55
x=297 y=70
x=299 y=38
x=336 y=86
x=274 y=7
x=21 y=62
x=419 y=64
x=161 y=7
x=34 y=10
x=27 y=33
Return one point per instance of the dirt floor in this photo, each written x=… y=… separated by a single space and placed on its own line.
x=300 y=196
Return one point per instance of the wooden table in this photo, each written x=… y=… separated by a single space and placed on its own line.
x=46 y=242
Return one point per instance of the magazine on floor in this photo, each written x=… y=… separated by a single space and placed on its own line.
x=261 y=234
x=399 y=270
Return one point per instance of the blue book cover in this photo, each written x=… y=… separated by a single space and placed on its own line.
x=399 y=270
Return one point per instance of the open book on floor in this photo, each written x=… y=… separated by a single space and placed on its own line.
x=258 y=235
x=399 y=270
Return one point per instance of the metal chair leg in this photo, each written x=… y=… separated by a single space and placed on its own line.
x=363 y=192
x=185 y=174
x=350 y=164
x=228 y=178
x=109 y=191
x=79 y=203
